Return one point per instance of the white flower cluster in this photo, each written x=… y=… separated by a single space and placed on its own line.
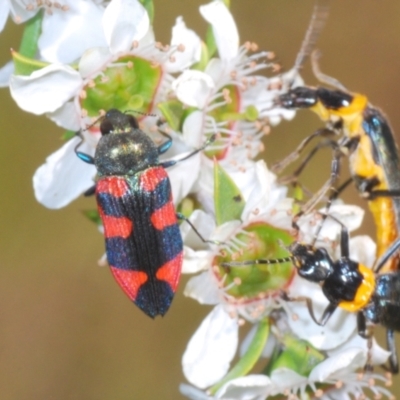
x=115 y=62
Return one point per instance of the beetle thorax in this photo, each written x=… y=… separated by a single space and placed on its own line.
x=125 y=153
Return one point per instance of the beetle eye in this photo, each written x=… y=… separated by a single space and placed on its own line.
x=106 y=127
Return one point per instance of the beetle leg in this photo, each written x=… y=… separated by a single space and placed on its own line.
x=183 y=218
x=391 y=345
x=170 y=163
x=326 y=314
x=90 y=192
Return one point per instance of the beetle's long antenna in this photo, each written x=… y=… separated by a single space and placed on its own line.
x=317 y=23
x=141 y=113
x=328 y=80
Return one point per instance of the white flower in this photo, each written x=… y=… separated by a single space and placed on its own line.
x=210 y=287
x=19 y=10
x=230 y=99
x=5 y=74
x=338 y=371
x=59 y=91
x=69 y=31
x=62 y=179
x=217 y=334
x=69 y=27
x=55 y=78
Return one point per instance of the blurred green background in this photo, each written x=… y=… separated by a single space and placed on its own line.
x=66 y=330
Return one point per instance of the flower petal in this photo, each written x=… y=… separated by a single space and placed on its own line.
x=248 y=387
x=182 y=36
x=45 y=90
x=5 y=73
x=195 y=261
x=123 y=22
x=19 y=11
x=193 y=88
x=192 y=129
x=285 y=378
x=181 y=181
x=210 y=350
x=67 y=34
x=193 y=393
x=349 y=215
x=261 y=192
x=363 y=250
x=92 y=60
x=204 y=224
x=341 y=364
x=4 y=11
x=377 y=354
x=66 y=116
x=64 y=176
x=203 y=288
x=224 y=28
x=336 y=331
x=224 y=232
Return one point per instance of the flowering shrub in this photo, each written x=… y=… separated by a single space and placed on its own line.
x=200 y=88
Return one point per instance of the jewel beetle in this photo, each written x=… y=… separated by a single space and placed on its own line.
x=143 y=242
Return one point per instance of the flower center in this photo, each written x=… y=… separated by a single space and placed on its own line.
x=129 y=83
x=255 y=242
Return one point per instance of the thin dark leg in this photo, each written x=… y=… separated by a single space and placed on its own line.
x=87 y=158
x=324 y=144
x=335 y=169
x=327 y=313
x=90 y=192
x=281 y=165
x=183 y=218
x=365 y=334
x=331 y=199
x=362 y=326
x=325 y=316
x=390 y=252
x=162 y=148
x=344 y=242
x=391 y=345
x=383 y=193
x=170 y=163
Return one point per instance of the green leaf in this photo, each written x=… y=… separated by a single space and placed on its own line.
x=252 y=355
x=172 y=111
x=149 y=6
x=298 y=355
x=30 y=36
x=228 y=199
x=93 y=215
x=210 y=42
x=298 y=196
x=24 y=65
x=204 y=58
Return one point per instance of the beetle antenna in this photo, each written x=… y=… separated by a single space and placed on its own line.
x=315 y=27
x=328 y=80
x=141 y=113
x=260 y=261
